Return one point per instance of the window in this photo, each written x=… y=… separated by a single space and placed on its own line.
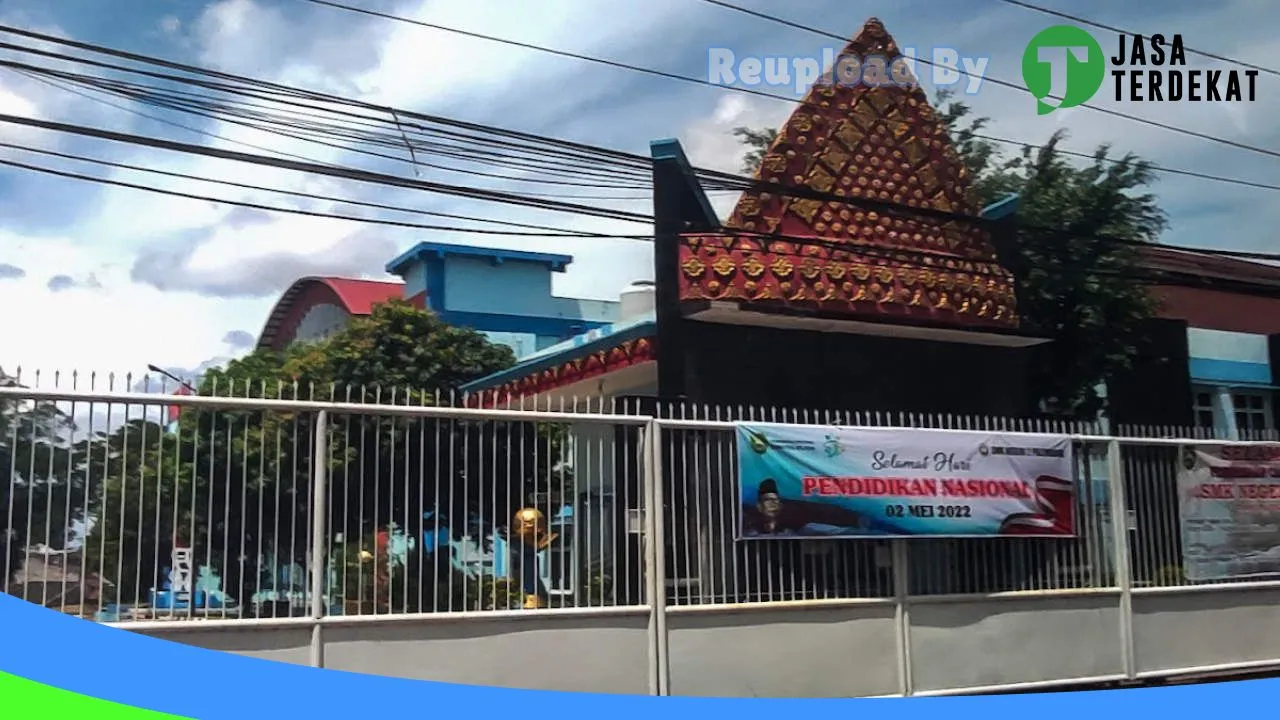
x=1252 y=411
x=1204 y=408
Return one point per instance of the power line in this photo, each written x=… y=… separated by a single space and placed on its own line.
x=888 y=208
x=564 y=147
x=1120 y=31
x=55 y=84
x=296 y=211
x=751 y=91
x=865 y=250
x=629 y=158
x=571 y=166
x=328 y=170
x=308 y=196
x=893 y=209
x=97 y=84
x=565 y=165
x=1004 y=83
x=744 y=183
x=1139 y=275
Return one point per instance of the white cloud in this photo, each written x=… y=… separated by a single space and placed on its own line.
x=170 y=25
x=261 y=261
x=120 y=326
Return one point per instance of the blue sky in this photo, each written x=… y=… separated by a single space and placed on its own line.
x=111 y=279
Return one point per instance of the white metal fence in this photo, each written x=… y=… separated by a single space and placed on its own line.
x=318 y=503
x=123 y=505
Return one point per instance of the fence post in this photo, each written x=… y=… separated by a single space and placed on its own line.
x=655 y=560
x=1120 y=545
x=900 y=560
x=319 y=564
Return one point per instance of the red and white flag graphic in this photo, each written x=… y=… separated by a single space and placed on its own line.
x=1056 y=499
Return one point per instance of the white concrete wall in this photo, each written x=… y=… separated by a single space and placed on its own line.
x=925 y=646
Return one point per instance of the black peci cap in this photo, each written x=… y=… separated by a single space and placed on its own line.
x=768 y=487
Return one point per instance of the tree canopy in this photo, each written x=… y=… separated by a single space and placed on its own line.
x=1072 y=287
x=43 y=476
x=236 y=485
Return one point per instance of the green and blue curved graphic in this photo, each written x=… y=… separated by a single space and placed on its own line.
x=22 y=698
x=57 y=667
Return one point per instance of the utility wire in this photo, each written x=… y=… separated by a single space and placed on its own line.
x=631 y=158
x=564 y=150
x=305 y=195
x=761 y=93
x=303 y=134
x=1008 y=84
x=328 y=170
x=364 y=176
x=1143 y=276
x=867 y=251
x=886 y=207
x=569 y=166
x=1120 y=31
x=297 y=211
x=1138 y=275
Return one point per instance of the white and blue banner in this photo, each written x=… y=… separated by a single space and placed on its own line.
x=836 y=482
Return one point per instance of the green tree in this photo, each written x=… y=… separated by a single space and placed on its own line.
x=757 y=142
x=42 y=479
x=1073 y=288
x=143 y=476
x=235 y=484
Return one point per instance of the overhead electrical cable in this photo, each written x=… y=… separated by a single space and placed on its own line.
x=887 y=207
x=294 y=92
x=784 y=98
x=296 y=135
x=1140 y=275
x=320 y=169
x=365 y=176
x=563 y=152
x=1003 y=83
x=299 y=211
x=294 y=193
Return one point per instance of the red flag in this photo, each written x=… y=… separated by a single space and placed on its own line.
x=175 y=410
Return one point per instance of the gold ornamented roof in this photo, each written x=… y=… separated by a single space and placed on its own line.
x=883 y=143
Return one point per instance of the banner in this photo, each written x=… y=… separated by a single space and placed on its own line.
x=1229 y=511
x=833 y=482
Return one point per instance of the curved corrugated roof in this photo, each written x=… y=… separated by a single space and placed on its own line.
x=355 y=296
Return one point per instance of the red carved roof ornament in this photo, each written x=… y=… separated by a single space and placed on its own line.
x=883 y=143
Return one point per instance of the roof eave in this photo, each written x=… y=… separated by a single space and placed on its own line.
x=553 y=262
x=538 y=364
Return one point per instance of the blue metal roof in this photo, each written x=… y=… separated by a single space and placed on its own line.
x=584 y=344
x=555 y=263
x=1002 y=208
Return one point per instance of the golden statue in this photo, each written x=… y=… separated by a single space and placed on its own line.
x=529 y=528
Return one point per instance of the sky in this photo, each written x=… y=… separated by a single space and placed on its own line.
x=108 y=280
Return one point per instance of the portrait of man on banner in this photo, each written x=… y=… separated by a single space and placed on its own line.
x=772 y=516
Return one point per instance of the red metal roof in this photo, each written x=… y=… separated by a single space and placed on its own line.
x=355 y=296
x=1175 y=259
x=359 y=296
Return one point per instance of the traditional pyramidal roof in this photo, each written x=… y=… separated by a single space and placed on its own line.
x=883 y=143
